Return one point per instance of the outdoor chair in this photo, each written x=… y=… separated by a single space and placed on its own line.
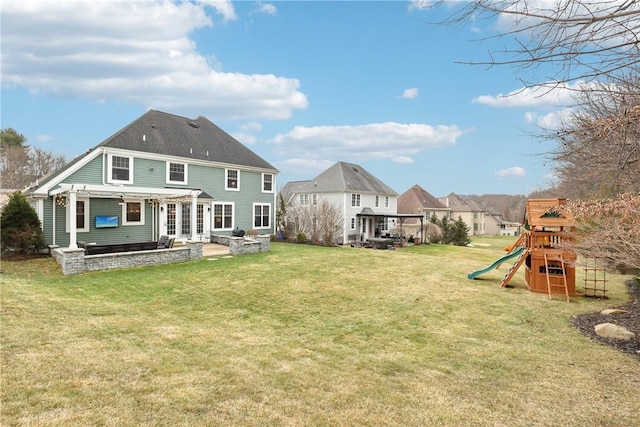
x=162 y=242
x=169 y=243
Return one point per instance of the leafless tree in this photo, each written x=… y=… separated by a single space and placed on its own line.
x=576 y=39
x=329 y=223
x=597 y=154
x=298 y=220
x=20 y=166
x=13 y=167
x=321 y=223
x=610 y=229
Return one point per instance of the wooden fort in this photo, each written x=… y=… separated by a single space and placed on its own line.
x=549 y=259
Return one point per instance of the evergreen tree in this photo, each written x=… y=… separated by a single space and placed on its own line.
x=447 y=231
x=20 y=229
x=9 y=137
x=460 y=233
x=281 y=218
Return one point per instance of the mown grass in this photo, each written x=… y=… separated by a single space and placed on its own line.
x=306 y=335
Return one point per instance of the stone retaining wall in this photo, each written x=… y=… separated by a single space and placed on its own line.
x=244 y=245
x=74 y=261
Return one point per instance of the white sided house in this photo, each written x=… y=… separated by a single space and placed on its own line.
x=367 y=205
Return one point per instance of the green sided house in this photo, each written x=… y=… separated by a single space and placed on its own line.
x=161 y=175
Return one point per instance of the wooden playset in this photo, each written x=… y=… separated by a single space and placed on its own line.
x=545 y=249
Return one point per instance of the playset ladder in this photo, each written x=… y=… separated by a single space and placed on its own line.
x=555 y=256
x=514 y=268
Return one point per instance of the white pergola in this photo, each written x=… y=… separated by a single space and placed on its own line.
x=72 y=191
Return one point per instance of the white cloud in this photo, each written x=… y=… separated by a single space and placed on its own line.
x=515 y=171
x=410 y=93
x=548 y=95
x=267 y=9
x=402 y=159
x=137 y=52
x=420 y=4
x=223 y=7
x=388 y=140
x=251 y=127
x=44 y=138
x=245 y=138
x=550 y=121
x=304 y=166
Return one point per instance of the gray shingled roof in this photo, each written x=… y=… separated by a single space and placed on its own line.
x=460 y=204
x=168 y=134
x=346 y=177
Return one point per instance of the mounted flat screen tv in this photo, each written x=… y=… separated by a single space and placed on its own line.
x=106 y=221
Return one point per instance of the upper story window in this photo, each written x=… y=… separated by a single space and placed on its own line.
x=121 y=169
x=133 y=213
x=176 y=173
x=355 y=200
x=377 y=203
x=232 y=180
x=386 y=201
x=267 y=183
x=314 y=199
x=304 y=199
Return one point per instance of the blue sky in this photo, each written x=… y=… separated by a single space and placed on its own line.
x=303 y=84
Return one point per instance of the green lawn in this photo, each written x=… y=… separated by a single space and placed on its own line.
x=306 y=335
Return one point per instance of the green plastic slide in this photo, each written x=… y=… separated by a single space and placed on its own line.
x=513 y=254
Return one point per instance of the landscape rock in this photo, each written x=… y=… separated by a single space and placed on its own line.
x=610 y=330
x=613 y=311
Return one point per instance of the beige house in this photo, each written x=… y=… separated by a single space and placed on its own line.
x=418 y=201
x=471 y=213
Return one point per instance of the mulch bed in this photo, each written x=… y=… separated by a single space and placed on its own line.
x=630 y=320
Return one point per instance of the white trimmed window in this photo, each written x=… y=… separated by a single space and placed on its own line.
x=304 y=200
x=120 y=169
x=267 y=183
x=82 y=216
x=353 y=223
x=223 y=216
x=176 y=173
x=232 y=181
x=261 y=216
x=386 y=201
x=377 y=204
x=355 y=200
x=314 y=199
x=133 y=212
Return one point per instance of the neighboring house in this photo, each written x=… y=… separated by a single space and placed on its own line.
x=492 y=221
x=418 y=201
x=368 y=206
x=510 y=228
x=471 y=213
x=160 y=175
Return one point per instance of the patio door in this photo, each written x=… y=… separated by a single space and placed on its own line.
x=172 y=219
x=185 y=219
x=178 y=220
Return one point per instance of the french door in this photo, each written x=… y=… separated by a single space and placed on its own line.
x=178 y=220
